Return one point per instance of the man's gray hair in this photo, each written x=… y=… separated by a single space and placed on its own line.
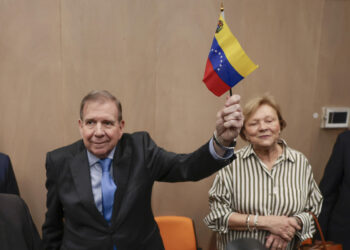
x=100 y=95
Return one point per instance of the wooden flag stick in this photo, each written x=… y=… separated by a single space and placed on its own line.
x=222 y=9
x=222 y=13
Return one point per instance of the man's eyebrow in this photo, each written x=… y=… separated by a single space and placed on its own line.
x=89 y=119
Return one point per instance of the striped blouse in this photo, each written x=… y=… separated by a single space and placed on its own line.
x=247 y=186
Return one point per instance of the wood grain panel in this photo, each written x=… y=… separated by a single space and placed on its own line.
x=152 y=54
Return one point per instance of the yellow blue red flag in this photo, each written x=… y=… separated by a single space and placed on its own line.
x=227 y=62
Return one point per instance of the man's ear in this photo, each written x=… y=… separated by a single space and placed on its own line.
x=80 y=122
x=121 y=125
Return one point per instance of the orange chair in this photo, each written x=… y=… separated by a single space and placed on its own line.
x=177 y=232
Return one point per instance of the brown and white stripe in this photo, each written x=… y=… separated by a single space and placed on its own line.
x=246 y=186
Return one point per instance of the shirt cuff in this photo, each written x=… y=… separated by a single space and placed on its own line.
x=228 y=154
x=308 y=228
x=225 y=227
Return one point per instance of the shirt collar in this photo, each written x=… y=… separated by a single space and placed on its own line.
x=93 y=159
x=287 y=152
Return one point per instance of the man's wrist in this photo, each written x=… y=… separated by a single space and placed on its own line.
x=220 y=145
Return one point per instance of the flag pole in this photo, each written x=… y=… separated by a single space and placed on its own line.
x=223 y=16
x=222 y=9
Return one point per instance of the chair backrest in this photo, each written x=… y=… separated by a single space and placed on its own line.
x=177 y=232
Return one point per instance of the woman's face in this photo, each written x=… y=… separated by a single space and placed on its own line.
x=262 y=128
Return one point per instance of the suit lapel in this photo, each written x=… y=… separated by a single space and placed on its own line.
x=82 y=180
x=121 y=169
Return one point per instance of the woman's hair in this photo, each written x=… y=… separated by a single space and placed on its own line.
x=253 y=104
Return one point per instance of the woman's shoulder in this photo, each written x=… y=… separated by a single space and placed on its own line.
x=240 y=154
x=295 y=152
x=298 y=158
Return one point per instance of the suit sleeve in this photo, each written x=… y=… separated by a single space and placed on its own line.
x=170 y=167
x=330 y=183
x=53 y=225
x=31 y=233
x=11 y=183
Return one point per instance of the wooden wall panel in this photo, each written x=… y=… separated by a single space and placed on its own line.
x=332 y=86
x=152 y=54
x=30 y=92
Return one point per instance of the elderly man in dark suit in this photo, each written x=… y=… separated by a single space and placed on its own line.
x=8 y=183
x=17 y=230
x=99 y=188
x=335 y=187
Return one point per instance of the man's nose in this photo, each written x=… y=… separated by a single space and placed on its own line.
x=99 y=131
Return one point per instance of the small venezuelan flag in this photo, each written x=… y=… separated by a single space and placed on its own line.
x=227 y=62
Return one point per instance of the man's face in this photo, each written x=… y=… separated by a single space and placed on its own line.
x=100 y=127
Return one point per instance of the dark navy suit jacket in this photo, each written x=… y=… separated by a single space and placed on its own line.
x=17 y=230
x=72 y=220
x=335 y=187
x=8 y=183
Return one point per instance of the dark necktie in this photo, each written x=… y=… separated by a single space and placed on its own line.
x=108 y=189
